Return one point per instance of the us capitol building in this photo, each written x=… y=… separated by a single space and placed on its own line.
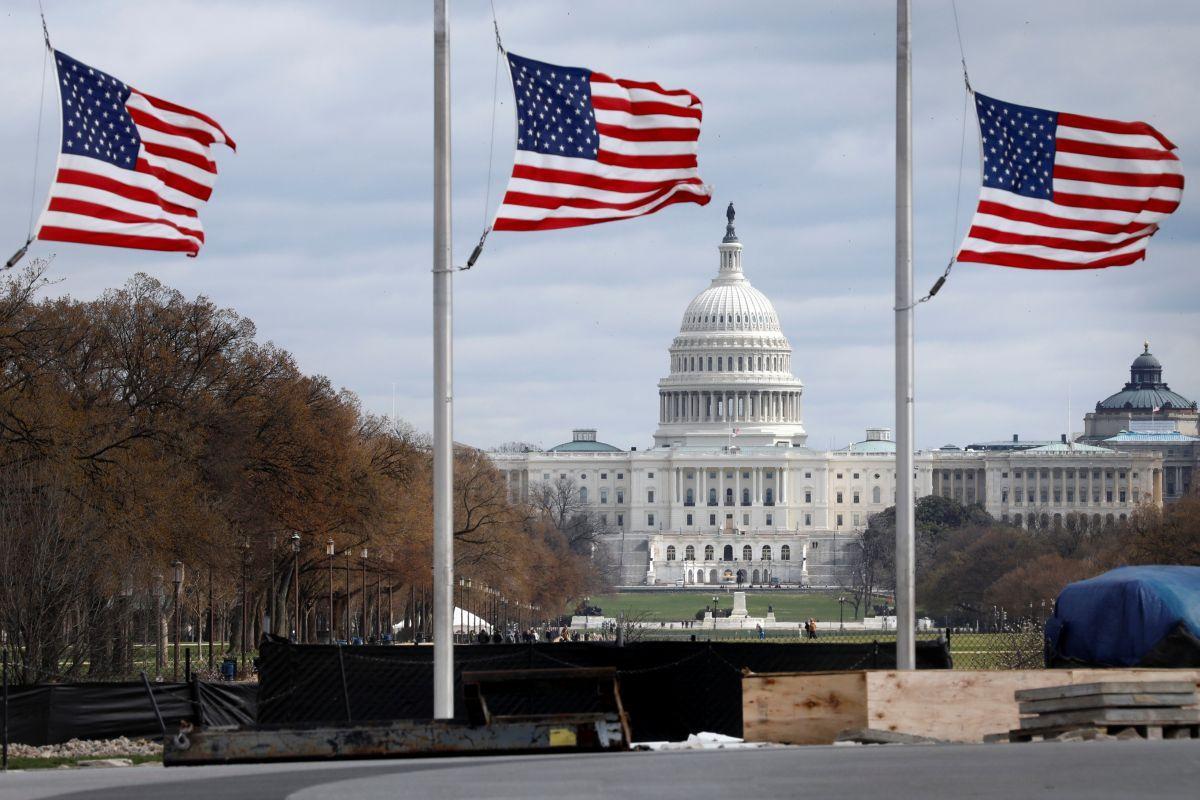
x=730 y=492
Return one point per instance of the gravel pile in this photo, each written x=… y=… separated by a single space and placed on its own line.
x=89 y=748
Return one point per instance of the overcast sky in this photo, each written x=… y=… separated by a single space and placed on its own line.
x=320 y=226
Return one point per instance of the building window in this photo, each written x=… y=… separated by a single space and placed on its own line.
x=689 y=553
x=545 y=476
x=1122 y=496
x=712 y=476
x=708 y=552
x=689 y=520
x=839 y=495
x=808 y=495
x=689 y=498
x=650 y=520
x=875 y=495
x=649 y=495
x=650 y=475
x=670 y=552
x=839 y=476
x=747 y=553
x=1004 y=495
x=857 y=519
x=603 y=476
x=562 y=476
x=729 y=497
x=620 y=497
x=770 y=520
x=620 y=476
x=1108 y=495
x=785 y=553
x=769 y=497
x=855 y=497
x=808 y=474
x=583 y=476
x=856 y=476
x=808 y=520
x=712 y=497
x=839 y=520
x=620 y=520
x=745 y=519
x=727 y=553
x=712 y=519
x=745 y=476
x=745 y=497
x=770 y=474
x=583 y=494
x=766 y=552
x=604 y=520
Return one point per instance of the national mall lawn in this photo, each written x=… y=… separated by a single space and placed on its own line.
x=673 y=606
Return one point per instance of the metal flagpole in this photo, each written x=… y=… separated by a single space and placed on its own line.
x=443 y=417
x=905 y=521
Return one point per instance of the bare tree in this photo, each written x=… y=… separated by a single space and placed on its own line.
x=561 y=503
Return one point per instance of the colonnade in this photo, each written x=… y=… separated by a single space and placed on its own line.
x=729 y=406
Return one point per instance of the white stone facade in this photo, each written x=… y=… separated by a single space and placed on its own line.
x=729 y=492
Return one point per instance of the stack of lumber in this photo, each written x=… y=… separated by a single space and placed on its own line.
x=1153 y=709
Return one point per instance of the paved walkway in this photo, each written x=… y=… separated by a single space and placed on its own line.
x=1091 y=770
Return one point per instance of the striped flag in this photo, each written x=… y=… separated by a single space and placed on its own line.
x=591 y=148
x=133 y=170
x=1065 y=191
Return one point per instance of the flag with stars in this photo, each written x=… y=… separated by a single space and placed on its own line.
x=591 y=148
x=1065 y=191
x=133 y=169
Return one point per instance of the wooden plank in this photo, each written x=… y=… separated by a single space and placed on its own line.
x=1176 y=700
x=1069 y=689
x=956 y=705
x=1114 y=716
x=802 y=708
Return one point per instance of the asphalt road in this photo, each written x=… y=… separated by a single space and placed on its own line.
x=1091 y=770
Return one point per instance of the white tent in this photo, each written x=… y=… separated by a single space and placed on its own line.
x=464 y=621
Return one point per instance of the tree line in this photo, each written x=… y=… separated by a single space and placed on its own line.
x=144 y=429
x=968 y=563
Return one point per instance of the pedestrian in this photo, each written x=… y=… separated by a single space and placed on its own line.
x=761 y=633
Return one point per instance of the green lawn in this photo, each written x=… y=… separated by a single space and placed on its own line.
x=676 y=606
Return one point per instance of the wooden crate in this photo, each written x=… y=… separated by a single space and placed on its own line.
x=955 y=705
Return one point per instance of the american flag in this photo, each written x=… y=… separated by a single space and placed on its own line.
x=591 y=148
x=133 y=170
x=1065 y=191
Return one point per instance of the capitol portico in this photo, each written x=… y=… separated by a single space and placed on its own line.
x=730 y=493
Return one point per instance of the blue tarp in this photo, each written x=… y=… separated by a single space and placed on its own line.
x=1117 y=618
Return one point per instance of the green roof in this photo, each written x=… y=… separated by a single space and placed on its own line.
x=1063 y=447
x=584 y=447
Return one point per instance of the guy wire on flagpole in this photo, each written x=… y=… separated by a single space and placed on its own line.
x=487 y=198
x=962 y=142
x=37 y=146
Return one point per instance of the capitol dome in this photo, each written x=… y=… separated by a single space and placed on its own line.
x=730 y=367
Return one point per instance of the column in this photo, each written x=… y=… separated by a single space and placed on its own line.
x=737 y=493
x=783 y=484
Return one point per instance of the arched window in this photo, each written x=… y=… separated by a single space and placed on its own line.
x=766 y=552
x=583 y=494
x=747 y=553
x=670 y=552
x=741 y=368
x=769 y=497
x=727 y=554
x=875 y=494
x=708 y=552
x=689 y=553
x=730 y=359
x=754 y=577
x=712 y=497
x=710 y=363
x=719 y=363
x=785 y=553
x=729 y=497
x=745 y=497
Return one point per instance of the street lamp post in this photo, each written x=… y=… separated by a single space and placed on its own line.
x=296 y=580
x=178 y=578
x=470 y=620
x=245 y=610
x=841 y=613
x=346 y=559
x=329 y=551
x=363 y=628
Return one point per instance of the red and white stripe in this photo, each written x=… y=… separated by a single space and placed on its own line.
x=1113 y=183
x=153 y=207
x=649 y=138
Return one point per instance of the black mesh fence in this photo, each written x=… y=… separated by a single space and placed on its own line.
x=669 y=688
x=55 y=713
x=1015 y=646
